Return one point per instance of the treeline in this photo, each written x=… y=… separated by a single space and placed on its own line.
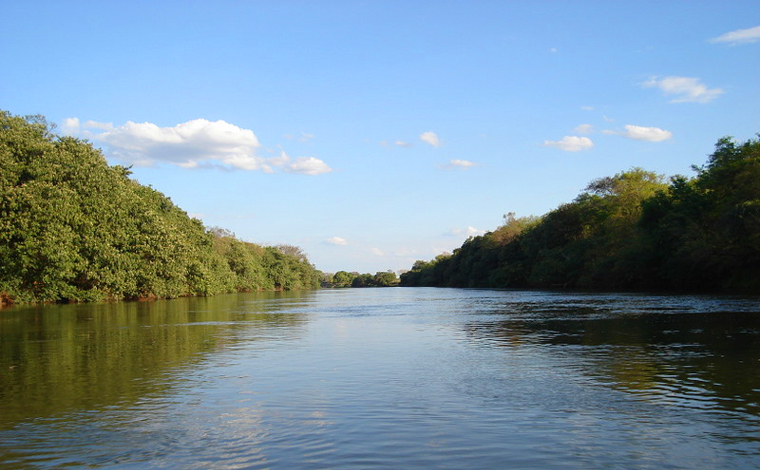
x=632 y=231
x=73 y=228
x=354 y=279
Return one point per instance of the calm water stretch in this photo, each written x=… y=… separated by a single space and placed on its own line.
x=384 y=378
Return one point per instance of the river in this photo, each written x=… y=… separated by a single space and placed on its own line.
x=384 y=378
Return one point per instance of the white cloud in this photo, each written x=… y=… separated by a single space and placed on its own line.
x=377 y=252
x=280 y=161
x=191 y=144
x=430 y=138
x=570 y=143
x=468 y=232
x=337 y=241
x=308 y=166
x=74 y=127
x=584 y=129
x=461 y=164
x=401 y=143
x=649 y=134
x=685 y=89
x=71 y=126
x=740 y=36
x=587 y=108
x=188 y=145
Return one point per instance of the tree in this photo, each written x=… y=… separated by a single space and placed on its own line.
x=512 y=227
x=342 y=279
x=293 y=251
x=384 y=279
x=705 y=232
x=362 y=280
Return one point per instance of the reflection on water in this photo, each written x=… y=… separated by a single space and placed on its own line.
x=697 y=352
x=67 y=357
x=385 y=378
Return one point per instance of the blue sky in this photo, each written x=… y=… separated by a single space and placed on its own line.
x=376 y=133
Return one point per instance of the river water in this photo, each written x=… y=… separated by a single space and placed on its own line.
x=384 y=378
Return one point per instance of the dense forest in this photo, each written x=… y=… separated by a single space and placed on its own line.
x=73 y=228
x=354 y=279
x=631 y=231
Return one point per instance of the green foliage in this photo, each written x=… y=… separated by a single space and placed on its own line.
x=345 y=279
x=342 y=279
x=629 y=231
x=384 y=279
x=73 y=228
x=362 y=280
x=705 y=232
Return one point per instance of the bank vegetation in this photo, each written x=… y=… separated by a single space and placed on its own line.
x=631 y=231
x=74 y=228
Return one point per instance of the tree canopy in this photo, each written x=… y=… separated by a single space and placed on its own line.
x=73 y=228
x=629 y=231
x=379 y=279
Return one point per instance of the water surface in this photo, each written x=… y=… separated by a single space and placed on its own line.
x=384 y=378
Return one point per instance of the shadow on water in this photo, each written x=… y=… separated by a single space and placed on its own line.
x=62 y=358
x=683 y=351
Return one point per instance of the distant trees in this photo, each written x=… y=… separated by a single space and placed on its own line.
x=384 y=279
x=628 y=231
x=362 y=280
x=342 y=279
x=73 y=228
x=380 y=279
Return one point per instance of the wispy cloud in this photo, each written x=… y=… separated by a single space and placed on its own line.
x=338 y=241
x=193 y=144
x=570 y=143
x=584 y=129
x=304 y=137
x=740 y=36
x=649 y=134
x=459 y=164
x=401 y=143
x=685 y=89
x=431 y=138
